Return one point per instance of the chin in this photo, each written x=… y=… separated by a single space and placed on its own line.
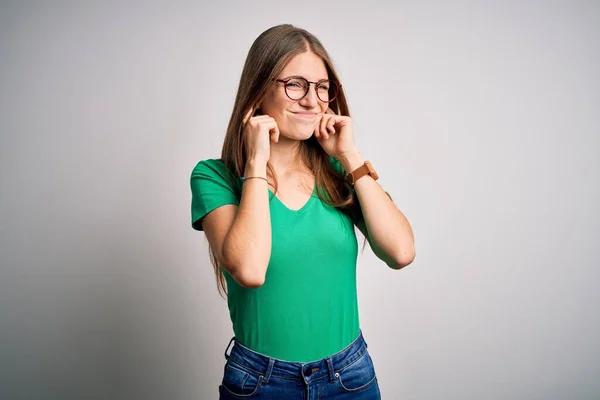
x=299 y=133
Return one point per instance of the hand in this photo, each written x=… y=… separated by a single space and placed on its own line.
x=258 y=133
x=335 y=133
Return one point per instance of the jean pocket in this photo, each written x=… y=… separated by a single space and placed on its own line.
x=240 y=382
x=359 y=375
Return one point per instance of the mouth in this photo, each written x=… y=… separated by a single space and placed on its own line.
x=305 y=114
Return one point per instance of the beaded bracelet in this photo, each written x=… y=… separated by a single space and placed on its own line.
x=242 y=178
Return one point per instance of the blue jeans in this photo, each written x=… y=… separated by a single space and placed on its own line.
x=348 y=374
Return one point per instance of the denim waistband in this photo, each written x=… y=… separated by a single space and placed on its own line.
x=266 y=366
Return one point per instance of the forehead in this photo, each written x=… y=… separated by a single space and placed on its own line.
x=308 y=65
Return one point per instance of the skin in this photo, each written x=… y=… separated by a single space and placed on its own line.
x=241 y=236
x=288 y=122
x=387 y=230
x=296 y=120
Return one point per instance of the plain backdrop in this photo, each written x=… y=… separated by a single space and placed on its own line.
x=481 y=118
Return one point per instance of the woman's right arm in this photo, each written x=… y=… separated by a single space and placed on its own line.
x=240 y=237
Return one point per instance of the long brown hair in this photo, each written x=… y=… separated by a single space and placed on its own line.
x=267 y=57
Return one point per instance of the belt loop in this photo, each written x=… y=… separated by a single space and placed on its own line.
x=331 y=369
x=269 y=370
x=227 y=355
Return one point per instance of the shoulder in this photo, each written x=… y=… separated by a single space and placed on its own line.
x=212 y=187
x=212 y=173
x=210 y=166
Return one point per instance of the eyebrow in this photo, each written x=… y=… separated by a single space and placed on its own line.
x=300 y=76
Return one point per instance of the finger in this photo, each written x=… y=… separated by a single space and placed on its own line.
x=330 y=127
x=248 y=115
x=266 y=124
x=317 y=133
x=275 y=134
x=323 y=128
x=272 y=129
x=261 y=118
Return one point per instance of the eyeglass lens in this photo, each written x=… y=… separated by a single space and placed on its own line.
x=297 y=88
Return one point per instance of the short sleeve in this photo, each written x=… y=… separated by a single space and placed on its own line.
x=210 y=190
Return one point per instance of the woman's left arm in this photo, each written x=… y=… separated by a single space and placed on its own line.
x=387 y=230
x=385 y=227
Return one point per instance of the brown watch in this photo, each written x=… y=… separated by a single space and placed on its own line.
x=365 y=169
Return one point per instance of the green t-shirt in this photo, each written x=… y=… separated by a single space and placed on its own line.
x=307 y=308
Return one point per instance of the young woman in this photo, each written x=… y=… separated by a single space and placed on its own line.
x=279 y=210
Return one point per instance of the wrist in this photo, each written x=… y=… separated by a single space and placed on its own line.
x=255 y=167
x=351 y=160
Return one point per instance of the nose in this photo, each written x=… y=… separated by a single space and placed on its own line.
x=310 y=100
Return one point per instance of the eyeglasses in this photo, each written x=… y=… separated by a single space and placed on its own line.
x=297 y=87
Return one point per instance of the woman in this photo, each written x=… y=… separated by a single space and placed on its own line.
x=279 y=210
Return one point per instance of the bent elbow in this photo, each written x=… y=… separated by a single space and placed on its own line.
x=253 y=283
x=248 y=280
x=245 y=273
x=404 y=259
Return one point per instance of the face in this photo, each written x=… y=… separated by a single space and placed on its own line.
x=297 y=119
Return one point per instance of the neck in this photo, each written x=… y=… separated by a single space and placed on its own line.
x=285 y=156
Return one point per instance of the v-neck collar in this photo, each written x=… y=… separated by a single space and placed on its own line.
x=301 y=209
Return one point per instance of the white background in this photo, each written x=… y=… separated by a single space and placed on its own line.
x=481 y=118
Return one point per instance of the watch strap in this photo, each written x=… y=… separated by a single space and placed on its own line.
x=365 y=169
